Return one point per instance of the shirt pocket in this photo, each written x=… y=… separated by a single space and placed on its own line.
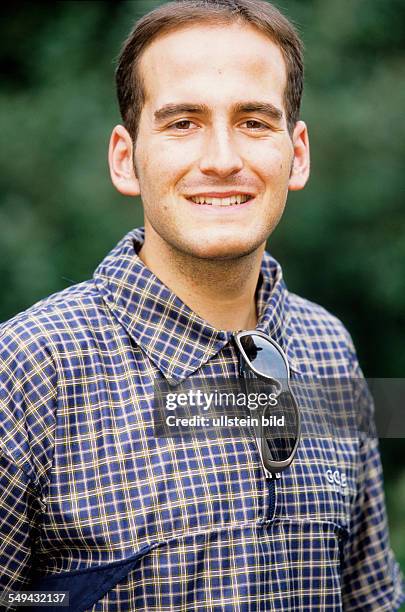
x=321 y=484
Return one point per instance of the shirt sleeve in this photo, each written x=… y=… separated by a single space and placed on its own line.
x=371 y=577
x=27 y=401
x=19 y=512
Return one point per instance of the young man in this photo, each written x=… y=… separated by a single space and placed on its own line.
x=94 y=503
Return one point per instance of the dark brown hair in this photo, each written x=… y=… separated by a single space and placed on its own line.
x=181 y=13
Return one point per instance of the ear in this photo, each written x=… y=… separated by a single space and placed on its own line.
x=301 y=162
x=120 y=160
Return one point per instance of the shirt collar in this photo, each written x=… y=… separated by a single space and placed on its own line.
x=176 y=339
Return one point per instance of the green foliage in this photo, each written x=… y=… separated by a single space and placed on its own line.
x=341 y=241
x=342 y=237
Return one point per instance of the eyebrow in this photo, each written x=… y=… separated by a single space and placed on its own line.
x=264 y=108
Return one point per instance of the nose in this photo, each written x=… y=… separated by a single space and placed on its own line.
x=220 y=155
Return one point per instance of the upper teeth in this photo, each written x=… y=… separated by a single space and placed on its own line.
x=235 y=199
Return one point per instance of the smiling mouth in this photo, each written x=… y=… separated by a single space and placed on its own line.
x=232 y=200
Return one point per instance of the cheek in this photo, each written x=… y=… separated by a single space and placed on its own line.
x=275 y=173
x=270 y=160
x=164 y=164
x=158 y=179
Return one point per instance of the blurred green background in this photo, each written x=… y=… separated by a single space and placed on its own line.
x=341 y=241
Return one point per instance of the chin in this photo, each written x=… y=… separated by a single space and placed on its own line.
x=222 y=249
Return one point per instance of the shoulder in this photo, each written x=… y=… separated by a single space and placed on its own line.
x=29 y=372
x=320 y=338
x=35 y=341
x=61 y=311
x=315 y=320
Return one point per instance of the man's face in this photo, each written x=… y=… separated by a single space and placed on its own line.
x=213 y=131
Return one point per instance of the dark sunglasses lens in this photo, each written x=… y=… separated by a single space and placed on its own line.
x=264 y=356
x=280 y=428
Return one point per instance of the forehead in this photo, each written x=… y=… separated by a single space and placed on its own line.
x=203 y=57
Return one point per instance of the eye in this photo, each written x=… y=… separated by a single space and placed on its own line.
x=183 y=124
x=253 y=124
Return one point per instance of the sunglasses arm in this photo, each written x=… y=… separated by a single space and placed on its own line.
x=245 y=373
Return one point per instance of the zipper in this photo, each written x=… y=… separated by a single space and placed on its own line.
x=272 y=496
x=271 y=482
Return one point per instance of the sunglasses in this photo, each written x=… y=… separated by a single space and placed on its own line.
x=263 y=361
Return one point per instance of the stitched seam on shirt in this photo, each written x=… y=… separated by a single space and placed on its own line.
x=4 y=452
x=110 y=564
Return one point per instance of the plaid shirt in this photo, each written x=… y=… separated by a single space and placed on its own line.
x=93 y=503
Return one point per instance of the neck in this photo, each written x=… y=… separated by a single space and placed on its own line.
x=222 y=292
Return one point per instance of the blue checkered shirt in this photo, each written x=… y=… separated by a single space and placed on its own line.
x=93 y=503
